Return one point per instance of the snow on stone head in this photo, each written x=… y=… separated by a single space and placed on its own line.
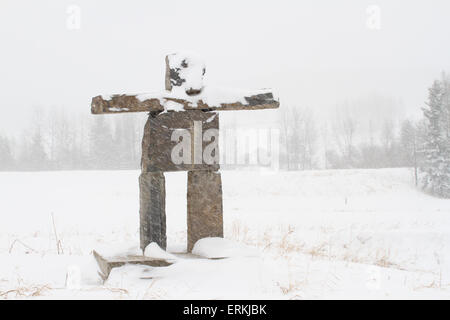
x=186 y=72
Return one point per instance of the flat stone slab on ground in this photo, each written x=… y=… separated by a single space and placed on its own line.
x=106 y=264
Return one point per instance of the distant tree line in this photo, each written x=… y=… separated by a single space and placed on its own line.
x=63 y=141
x=339 y=143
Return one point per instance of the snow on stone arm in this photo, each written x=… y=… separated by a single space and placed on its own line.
x=120 y=103
x=211 y=98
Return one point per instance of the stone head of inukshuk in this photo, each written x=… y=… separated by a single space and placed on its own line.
x=186 y=73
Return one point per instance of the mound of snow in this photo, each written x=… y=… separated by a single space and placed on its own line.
x=154 y=251
x=222 y=248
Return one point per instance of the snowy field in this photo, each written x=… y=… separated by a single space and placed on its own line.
x=293 y=235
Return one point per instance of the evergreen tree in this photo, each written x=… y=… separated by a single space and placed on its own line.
x=33 y=155
x=408 y=146
x=101 y=144
x=408 y=143
x=436 y=162
x=6 y=157
x=388 y=144
x=120 y=146
x=38 y=155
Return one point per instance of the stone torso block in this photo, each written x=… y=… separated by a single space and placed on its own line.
x=159 y=143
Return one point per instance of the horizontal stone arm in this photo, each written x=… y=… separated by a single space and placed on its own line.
x=167 y=101
x=252 y=102
x=124 y=103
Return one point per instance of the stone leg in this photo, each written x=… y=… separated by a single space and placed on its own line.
x=152 y=209
x=204 y=204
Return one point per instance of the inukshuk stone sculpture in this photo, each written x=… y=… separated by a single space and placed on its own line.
x=190 y=106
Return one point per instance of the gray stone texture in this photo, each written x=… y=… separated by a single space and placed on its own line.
x=205 y=208
x=152 y=209
x=157 y=145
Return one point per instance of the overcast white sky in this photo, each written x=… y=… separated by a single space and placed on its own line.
x=314 y=53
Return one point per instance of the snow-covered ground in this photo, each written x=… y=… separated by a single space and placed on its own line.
x=294 y=235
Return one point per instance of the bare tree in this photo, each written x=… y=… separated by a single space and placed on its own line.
x=344 y=131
